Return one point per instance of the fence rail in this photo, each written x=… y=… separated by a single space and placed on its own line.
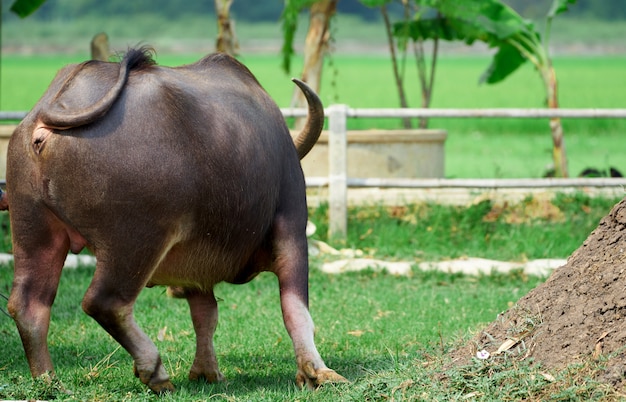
x=338 y=182
x=472 y=113
x=474 y=183
x=449 y=113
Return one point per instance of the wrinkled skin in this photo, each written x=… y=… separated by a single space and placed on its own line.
x=183 y=177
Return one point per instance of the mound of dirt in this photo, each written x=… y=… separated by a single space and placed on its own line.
x=579 y=313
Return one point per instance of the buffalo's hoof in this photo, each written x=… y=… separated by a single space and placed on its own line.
x=312 y=378
x=157 y=385
x=209 y=375
x=162 y=387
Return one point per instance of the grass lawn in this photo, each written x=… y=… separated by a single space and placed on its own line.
x=531 y=229
x=366 y=322
x=389 y=335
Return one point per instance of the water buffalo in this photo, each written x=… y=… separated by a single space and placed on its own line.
x=183 y=177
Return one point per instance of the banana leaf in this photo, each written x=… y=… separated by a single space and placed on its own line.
x=559 y=6
x=24 y=8
x=488 y=21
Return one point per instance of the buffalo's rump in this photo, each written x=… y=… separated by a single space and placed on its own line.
x=196 y=160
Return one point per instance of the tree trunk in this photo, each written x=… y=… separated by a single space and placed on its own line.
x=226 y=39
x=315 y=47
x=100 y=47
x=426 y=81
x=394 y=64
x=559 y=155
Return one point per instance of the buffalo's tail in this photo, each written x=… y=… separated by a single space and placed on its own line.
x=60 y=118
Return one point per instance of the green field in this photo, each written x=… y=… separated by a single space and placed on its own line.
x=367 y=81
x=378 y=330
x=476 y=148
x=373 y=331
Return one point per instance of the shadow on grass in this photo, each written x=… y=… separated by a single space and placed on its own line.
x=256 y=377
x=94 y=369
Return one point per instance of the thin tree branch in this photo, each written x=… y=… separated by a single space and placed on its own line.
x=394 y=63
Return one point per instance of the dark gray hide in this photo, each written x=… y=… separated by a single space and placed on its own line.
x=183 y=177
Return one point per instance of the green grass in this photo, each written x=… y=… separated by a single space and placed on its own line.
x=366 y=81
x=389 y=335
x=383 y=321
x=528 y=230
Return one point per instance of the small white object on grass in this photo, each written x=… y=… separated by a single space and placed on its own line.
x=483 y=354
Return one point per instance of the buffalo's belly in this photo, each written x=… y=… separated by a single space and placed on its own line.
x=201 y=264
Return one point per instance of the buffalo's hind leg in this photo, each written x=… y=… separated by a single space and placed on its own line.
x=291 y=267
x=203 y=308
x=40 y=245
x=119 y=278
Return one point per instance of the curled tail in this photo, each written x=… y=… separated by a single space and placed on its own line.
x=59 y=117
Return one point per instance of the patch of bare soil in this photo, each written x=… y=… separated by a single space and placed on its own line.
x=577 y=315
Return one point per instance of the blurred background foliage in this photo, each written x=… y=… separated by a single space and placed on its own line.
x=270 y=11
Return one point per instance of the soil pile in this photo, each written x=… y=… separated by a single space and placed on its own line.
x=579 y=313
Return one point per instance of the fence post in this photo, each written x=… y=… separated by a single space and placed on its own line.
x=337 y=172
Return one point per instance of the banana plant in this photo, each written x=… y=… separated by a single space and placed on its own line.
x=531 y=47
x=24 y=8
x=499 y=26
x=289 y=19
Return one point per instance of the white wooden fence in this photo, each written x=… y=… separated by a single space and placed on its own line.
x=338 y=182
